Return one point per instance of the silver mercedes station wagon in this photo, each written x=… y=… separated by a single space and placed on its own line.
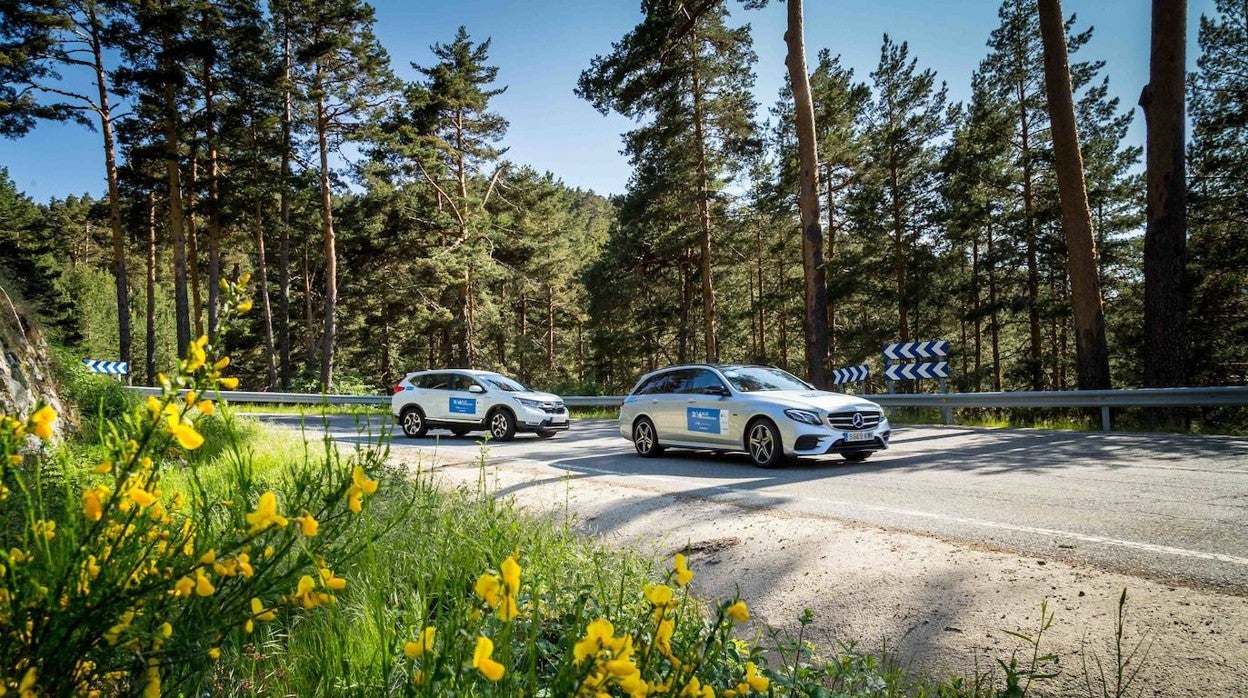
x=770 y=414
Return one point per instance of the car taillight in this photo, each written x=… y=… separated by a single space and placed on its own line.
x=396 y=389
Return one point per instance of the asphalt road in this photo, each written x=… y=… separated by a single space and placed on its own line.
x=1165 y=507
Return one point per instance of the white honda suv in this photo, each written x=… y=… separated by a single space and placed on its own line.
x=463 y=401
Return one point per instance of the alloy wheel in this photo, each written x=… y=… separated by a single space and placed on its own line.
x=762 y=443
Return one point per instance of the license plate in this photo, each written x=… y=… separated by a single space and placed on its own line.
x=858 y=436
x=558 y=421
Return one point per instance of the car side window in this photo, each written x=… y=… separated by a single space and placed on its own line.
x=462 y=382
x=699 y=380
x=666 y=383
x=435 y=381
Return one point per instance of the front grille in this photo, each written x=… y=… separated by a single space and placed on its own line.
x=552 y=407
x=844 y=421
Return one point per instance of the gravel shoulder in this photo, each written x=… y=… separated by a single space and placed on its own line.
x=936 y=605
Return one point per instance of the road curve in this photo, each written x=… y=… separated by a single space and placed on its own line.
x=1171 y=508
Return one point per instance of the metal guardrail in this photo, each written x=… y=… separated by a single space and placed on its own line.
x=1103 y=399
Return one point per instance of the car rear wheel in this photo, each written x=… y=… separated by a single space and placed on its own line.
x=762 y=442
x=502 y=425
x=856 y=456
x=646 y=439
x=412 y=420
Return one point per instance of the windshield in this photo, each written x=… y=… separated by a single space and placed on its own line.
x=505 y=383
x=749 y=379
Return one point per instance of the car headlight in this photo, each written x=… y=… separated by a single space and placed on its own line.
x=531 y=404
x=803 y=416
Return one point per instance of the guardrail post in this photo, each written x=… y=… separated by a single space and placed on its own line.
x=946 y=411
x=1105 y=424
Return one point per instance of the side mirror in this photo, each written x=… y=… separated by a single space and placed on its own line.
x=474 y=388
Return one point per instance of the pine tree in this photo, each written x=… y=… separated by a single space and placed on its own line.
x=344 y=74
x=1219 y=197
x=690 y=74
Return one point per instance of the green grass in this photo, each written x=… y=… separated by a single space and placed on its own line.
x=422 y=571
x=310 y=410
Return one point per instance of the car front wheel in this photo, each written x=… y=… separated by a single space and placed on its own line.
x=413 y=422
x=646 y=439
x=762 y=442
x=502 y=426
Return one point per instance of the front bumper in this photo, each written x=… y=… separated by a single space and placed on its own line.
x=815 y=440
x=528 y=419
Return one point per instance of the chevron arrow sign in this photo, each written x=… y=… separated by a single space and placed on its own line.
x=115 y=368
x=850 y=374
x=900 y=372
x=916 y=350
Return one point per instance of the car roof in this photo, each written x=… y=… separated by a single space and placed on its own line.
x=469 y=371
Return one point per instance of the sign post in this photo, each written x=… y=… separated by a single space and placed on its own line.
x=904 y=351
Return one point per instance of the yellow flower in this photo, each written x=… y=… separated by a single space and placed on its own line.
x=214 y=653
x=683 y=573
x=221 y=363
x=186 y=435
x=27 y=686
x=242 y=280
x=244 y=306
x=152 y=688
x=244 y=565
x=103 y=467
x=92 y=502
x=597 y=635
x=659 y=595
x=511 y=575
x=45 y=528
x=15 y=459
x=184 y=587
x=361 y=480
x=203 y=585
x=423 y=643
x=265 y=514
x=41 y=422
x=195 y=356
x=206 y=406
x=758 y=683
x=189 y=398
x=482 y=662
x=140 y=496
x=228 y=383
x=308 y=525
x=258 y=611
x=489 y=588
x=738 y=612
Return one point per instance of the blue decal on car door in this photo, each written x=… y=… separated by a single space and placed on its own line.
x=463 y=405
x=702 y=419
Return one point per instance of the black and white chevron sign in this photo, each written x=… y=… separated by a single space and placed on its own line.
x=916 y=350
x=901 y=372
x=850 y=374
x=115 y=368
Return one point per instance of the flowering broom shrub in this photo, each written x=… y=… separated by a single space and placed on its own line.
x=115 y=583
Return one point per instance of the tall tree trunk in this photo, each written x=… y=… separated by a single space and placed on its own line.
x=762 y=328
x=331 y=253
x=1091 y=346
x=704 y=211
x=816 y=292
x=151 y=288
x=1029 y=235
x=283 y=271
x=975 y=309
x=1165 y=234
x=214 y=200
x=550 y=328
x=466 y=340
x=262 y=274
x=120 y=279
x=309 y=317
x=995 y=308
x=522 y=350
x=899 y=251
x=192 y=244
x=831 y=261
x=173 y=177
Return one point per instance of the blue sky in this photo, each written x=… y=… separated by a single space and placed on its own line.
x=541 y=47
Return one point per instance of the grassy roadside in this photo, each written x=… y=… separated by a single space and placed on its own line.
x=421 y=574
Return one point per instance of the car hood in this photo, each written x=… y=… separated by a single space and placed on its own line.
x=819 y=399
x=542 y=397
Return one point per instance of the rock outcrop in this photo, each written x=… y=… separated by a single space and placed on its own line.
x=25 y=371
